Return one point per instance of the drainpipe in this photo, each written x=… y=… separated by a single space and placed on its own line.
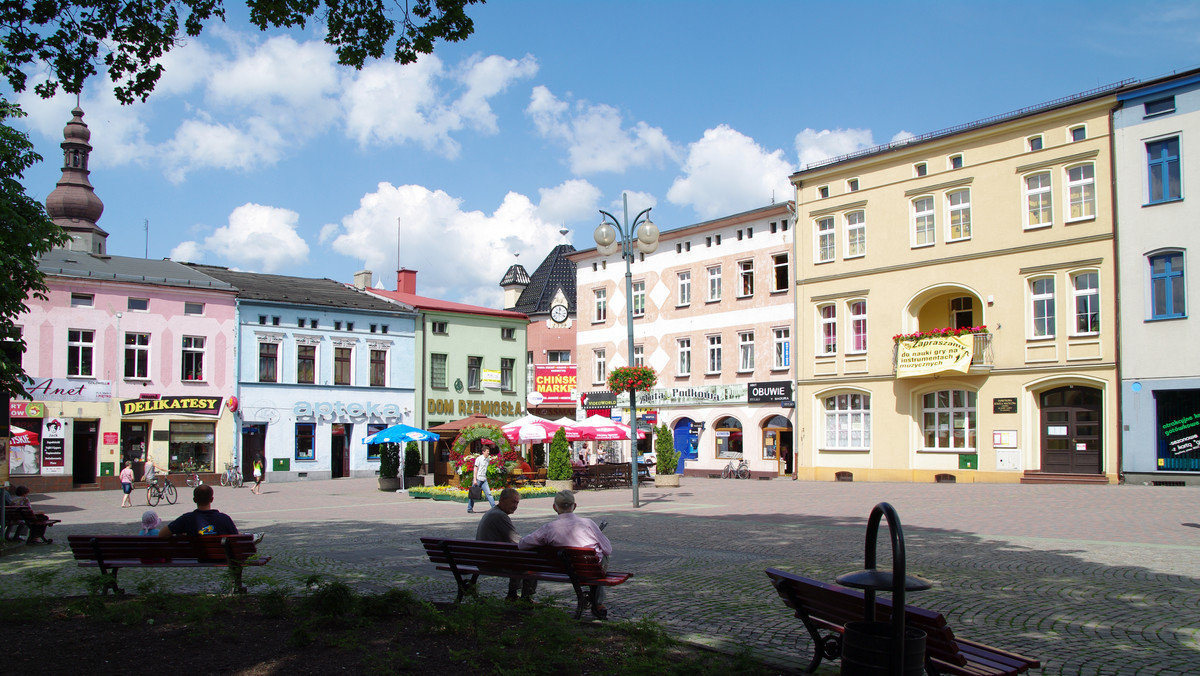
x=1112 y=180
x=237 y=384
x=797 y=437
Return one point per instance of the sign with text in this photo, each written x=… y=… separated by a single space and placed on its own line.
x=54 y=456
x=1004 y=405
x=555 y=382
x=770 y=392
x=64 y=389
x=934 y=354
x=1178 y=416
x=169 y=405
x=688 y=396
x=490 y=379
x=25 y=409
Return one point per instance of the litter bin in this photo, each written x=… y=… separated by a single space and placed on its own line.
x=867 y=650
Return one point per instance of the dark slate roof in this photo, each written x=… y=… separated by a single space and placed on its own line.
x=298 y=290
x=555 y=272
x=65 y=263
x=516 y=275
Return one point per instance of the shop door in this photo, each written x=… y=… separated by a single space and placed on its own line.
x=1071 y=430
x=134 y=438
x=83 y=444
x=254 y=444
x=686 y=441
x=339 y=451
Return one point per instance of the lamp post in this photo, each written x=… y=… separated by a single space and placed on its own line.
x=633 y=236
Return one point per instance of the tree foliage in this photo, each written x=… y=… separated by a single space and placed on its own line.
x=72 y=37
x=666 y=458
x=26 y=232
x=560 y=457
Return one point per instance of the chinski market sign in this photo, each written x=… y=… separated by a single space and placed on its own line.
x=934 y=354
x=169 y=405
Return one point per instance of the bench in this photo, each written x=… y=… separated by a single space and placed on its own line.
x=827 y=608
x=468 y=559
x=110 y=553
x=23 y=514
x=601 y=476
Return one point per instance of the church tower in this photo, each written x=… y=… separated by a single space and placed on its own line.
x=73 y=205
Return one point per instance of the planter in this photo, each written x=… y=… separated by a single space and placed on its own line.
x=666 y=481
x=413 y=482
x=420 y=496
x=443 y=496
x=559 y=484
x=390 y=485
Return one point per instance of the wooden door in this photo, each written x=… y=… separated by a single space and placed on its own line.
x=1072 y=436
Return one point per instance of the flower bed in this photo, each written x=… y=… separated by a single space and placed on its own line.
x=460 y=495
x=939 y=333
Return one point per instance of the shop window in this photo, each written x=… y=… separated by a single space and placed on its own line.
x=728 y=435
x=192 y=446
x=306 y=435
x=374 y=449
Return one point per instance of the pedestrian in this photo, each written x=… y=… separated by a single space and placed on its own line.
x=481 y=480
x=497 y=526
x=150 y=523
x=569 y=530
x=258 y=476
x=127 y=484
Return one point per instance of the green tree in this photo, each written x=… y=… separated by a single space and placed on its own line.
x=412 y=459
x=666 y=458
x=560 y=457
x=26 y=232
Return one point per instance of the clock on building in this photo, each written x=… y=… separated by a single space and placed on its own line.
x=559 y=313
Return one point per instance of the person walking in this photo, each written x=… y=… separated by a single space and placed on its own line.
x=258 y=476
x=569 y=530
x=127 y=484
x=481 y=480
x=497 y=526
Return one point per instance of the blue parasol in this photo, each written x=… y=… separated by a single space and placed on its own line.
x=401 y=433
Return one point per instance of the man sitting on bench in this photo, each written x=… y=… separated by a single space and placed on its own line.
x=496 y=526
x=204 y=520
x=569 y=530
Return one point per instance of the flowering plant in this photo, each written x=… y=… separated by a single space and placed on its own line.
x=626 y=378
x=931 y=333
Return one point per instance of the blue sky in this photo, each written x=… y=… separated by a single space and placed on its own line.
x=259 y=153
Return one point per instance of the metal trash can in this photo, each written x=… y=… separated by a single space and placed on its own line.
x=867 y=650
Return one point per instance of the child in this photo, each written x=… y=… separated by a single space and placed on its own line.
x=150 y=523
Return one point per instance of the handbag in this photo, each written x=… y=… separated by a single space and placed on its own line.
x=475 y=492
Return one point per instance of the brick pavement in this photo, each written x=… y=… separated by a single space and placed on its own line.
x=1092 y=580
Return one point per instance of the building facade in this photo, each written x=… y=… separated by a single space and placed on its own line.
x=956 y=304
x=712 y=311
x=1155 y=129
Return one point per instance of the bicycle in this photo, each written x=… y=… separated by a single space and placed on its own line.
x=194 y=480
x=232 y=476
x=154 y=493
x=741 y=471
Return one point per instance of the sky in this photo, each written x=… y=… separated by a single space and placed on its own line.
x=259 y=153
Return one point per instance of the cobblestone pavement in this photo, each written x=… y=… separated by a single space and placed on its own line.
x=1091 y=580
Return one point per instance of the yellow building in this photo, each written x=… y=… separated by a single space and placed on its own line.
x=999 y=231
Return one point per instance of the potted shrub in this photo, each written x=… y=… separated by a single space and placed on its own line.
x=389 y=467
x=666 y=459
x=558 y=474
x=412 y=466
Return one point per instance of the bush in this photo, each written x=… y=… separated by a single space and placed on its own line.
x=389 y=461
x=412 y=459
x=560 y=458
x=665 y=455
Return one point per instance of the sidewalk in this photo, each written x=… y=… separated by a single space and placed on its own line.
x=1091 y=580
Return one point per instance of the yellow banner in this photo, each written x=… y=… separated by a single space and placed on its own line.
x=935 y=354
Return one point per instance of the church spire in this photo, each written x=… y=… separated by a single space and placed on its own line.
x=73 y=205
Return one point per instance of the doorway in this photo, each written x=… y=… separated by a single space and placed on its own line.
x=339 y=450
x=1071 y=431
x=83 y=452
x=254 y=444
x=134 y=436
x=777 y=444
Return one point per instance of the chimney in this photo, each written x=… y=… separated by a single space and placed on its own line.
x=406 y=281
x=362 y=279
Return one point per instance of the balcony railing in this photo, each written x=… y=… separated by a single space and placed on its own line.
x=981 y=354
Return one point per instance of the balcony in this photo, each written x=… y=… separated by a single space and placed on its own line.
x=981 y=355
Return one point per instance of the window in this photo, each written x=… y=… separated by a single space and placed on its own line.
x=949 y=420
x=601 y=298
x=962 y=312
x=683 y=352
x=714 y=354
x=639 y=355
x=1035 y=143
x=848 y=422
x=920 y=169
x=599 y=367
x=746 y=278
x=437 y=371
x=779 y=263
x=959 y=204
x=1081 y=192
x=138 y=304
x=685 y=288
x=858 y=326
x=782 y=339
x=828 y=326
x=852 y=185
x=1037 y=200
x=714 y=283
x=1087 y=302
x=956 y=161
x=198 y=309
x=856 y=234
x=137 y=355
x=1160 y=106
x=438 y=328
x=558 y=357
x=374 y=328
x=1042 y=297
x=824 y=247
x=193 y=358
x=262 y=320
x=746 y=351
x=191 y=441
x=383 y=328
x=378 y=368
x=342 y=365
x=306 y=364
x=349 y=326
x=507 y=365
x=268 y=362
x=312 y=323
x=474 y=373
x=923 y=222
x=82 y=300
x=639 y=298
x=1078 y=133
x=508 y=333
x=1166 y=286
x=300 y=322
x=1164 y=170
x=337 y=325
x=306 y=434
x=823 y=192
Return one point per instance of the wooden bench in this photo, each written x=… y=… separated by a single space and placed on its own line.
x=23 y=514
x=601 y=476
x=110 y=553
x=826 y=608
x=468 y=559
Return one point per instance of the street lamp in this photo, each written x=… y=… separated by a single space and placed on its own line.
x=636 y=235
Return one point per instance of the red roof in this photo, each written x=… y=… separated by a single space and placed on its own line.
x=423 y=303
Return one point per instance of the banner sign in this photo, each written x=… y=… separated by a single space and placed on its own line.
x=1178 y=414
x=696 y=395
x=63 y=389
x=490 y=379
x=935 y=354
x=26 y=409
x=169 y=405
x=770 y=392
x=555 y=382
x=601 y=399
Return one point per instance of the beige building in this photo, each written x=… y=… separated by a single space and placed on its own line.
x=1000 y=231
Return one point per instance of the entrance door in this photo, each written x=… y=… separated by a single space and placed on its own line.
x=685 y=441
x=1071 y=430
x=254 y=444
x=339 y=450
x=134 y=438
x=83 y=456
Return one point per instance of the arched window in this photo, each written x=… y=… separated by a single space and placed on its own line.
x=728 y=431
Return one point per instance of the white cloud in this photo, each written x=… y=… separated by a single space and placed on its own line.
x=593 y=135
x=459 y=254
x=902 y=136
x=199 y=144
x=260 y=238
x=726 y=172
x=188 y=252
x=569 y=201
x=814 y=146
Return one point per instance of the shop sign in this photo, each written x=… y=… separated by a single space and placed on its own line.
x=333 y=410
x=25 y=409
x=1004 y=405
x=770 y=392
x=934 y=354
x=54 y=456
x=555 y=382
x=63 y=389
x=1178 y=430
x=169 y=405
x=111 y=438
x=466 y=407
x=600 y=399
x=700 y=395
x=490 y=379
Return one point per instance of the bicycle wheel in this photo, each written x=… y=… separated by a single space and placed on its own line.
x=152 y=496
x=743 y=472
x=170 y=494
x=237 y=482
x=225 y=479
x=727 y=472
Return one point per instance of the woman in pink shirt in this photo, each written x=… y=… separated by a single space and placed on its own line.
x=127 y=484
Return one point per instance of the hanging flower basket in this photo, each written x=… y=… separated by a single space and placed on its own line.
x=939 y=333
x=626 y=378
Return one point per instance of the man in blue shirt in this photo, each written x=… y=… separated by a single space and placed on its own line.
x=204 y=520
